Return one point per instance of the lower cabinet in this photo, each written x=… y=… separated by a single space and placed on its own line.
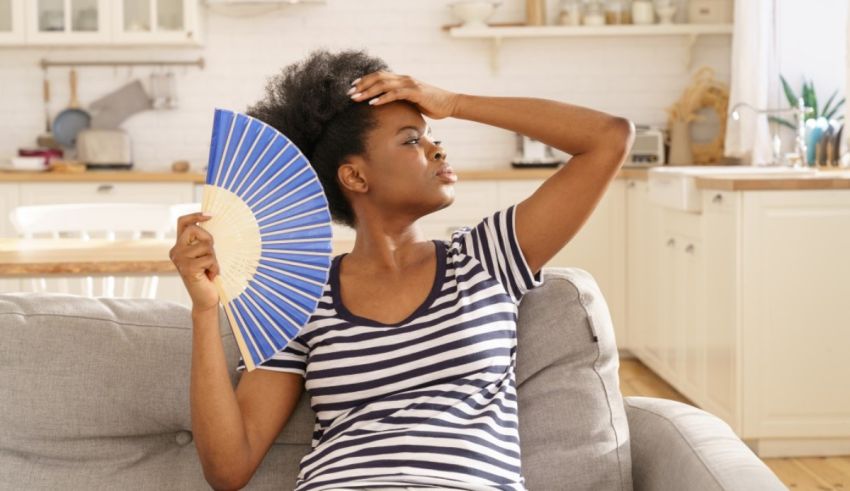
x=747 y=317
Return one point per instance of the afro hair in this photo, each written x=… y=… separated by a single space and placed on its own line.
x=308 y=102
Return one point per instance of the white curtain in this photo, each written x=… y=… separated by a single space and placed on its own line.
x=753 y=73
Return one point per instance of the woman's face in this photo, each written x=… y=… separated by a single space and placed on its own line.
x=402 y=163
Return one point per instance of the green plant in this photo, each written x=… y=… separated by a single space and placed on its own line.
x=807 y=93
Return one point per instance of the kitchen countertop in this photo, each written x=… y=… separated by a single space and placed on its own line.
x=139 y=176
x=832 y=179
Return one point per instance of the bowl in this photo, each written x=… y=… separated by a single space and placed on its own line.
x=28 y=163
x=474 y=13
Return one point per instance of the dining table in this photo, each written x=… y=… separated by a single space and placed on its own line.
x=21 y=257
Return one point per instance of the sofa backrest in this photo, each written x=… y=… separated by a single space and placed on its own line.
x=95 y=394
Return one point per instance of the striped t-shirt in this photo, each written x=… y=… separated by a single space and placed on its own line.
x=429 y=401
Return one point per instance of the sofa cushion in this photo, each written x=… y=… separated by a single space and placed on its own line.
x=573 y=427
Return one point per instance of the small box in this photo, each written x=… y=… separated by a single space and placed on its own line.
x=648 y=148
x=710 y=12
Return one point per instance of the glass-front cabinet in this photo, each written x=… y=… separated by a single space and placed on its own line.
x=11 y=21
x=67 y=22
x=155 y=22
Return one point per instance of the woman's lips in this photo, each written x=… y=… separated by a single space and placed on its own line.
x=447 y=174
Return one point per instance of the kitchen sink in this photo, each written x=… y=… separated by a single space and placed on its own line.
x=675 y=187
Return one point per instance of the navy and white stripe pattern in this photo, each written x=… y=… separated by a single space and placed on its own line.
x=430 y=401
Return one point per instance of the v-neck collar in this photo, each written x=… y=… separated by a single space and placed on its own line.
x=436 y=286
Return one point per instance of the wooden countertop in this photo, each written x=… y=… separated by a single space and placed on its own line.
x=821 y=180
x=28 y=257
x=138 y=176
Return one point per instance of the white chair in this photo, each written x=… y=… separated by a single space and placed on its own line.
x=112 y=221
x=181 y=209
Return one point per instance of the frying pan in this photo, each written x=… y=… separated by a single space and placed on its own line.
x=71 y=120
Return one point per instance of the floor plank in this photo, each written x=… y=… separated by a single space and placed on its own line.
x=799 y=474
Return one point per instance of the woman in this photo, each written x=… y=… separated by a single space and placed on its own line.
x=409 y=357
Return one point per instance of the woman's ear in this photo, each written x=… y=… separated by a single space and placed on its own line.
x=351 y=175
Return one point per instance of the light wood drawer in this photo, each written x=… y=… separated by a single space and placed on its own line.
x=105 y=192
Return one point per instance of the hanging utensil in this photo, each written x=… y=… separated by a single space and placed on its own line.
x=46 y=140
x=72 y=119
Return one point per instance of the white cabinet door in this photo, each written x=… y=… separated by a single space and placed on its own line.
x=691 y=320
x=64 y=22
x=155 y=22
x=641 y=266
x=598 y=248
x=12 y=22
x=795 y=316
x=721 y=239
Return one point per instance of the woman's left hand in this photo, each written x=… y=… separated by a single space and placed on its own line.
x=382 y=87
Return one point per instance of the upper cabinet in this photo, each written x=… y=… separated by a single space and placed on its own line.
x=57 y=22
x=155 y=21
x=11 y=21
x=99 y=22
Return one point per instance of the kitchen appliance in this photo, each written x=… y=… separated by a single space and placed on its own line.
x=104 y=149
x=648 y=147
x=533 y=153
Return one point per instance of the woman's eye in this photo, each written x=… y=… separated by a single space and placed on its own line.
x=412 y=140
x=438 y=142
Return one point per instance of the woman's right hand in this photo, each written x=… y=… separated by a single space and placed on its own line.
x=194 y=257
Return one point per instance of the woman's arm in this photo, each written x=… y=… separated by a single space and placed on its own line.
x=550 y=217
x=598 y=143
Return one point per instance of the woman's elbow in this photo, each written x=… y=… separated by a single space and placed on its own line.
x=620 y=136
x=225 y=481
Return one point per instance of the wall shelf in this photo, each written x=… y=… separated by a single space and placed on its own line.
x=497 y=33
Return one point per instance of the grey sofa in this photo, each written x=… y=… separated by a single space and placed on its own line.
x=95 y=395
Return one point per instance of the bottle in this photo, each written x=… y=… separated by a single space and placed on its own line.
x=535 y=12
x=570 y=13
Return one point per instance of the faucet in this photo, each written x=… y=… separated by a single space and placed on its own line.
x=800 y=112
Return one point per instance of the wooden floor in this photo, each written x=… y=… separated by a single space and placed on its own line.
x=810 y=473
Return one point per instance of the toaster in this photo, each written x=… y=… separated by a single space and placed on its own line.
x=104 y=149
x=648 y=147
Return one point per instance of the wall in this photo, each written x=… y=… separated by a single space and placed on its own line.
x=634 y=77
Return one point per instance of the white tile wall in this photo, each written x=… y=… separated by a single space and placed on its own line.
x=635 y=77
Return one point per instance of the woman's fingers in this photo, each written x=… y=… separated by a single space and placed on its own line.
x=195 y=268
x=186 y=220
x=369 y=88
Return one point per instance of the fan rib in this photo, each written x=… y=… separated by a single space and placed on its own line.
x=290 y=193
x=292 y=321
x=294 y=275
x=259 y=348
x=250 y=199
x=224 y=150
x=228 y=180
x=293 y=205
x=271 y=322
x=248 y=182
x=278 y=282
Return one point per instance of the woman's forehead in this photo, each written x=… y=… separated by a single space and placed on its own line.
x=395 y=116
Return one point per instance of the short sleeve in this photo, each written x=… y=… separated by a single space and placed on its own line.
x=292 y=359
x=494 y=244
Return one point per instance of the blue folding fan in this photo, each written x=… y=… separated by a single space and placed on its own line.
x=272 y=231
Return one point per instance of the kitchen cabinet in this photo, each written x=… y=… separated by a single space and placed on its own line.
x=67 y=22
x=642 y=221
x=100 y=22
x=11 y=22
x=155 y=22
x=750 y=319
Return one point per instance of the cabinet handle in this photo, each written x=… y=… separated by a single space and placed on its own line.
x=671 y=242
x=632 y=184
x=718 y=198
x=105 y=188
x=689 y=249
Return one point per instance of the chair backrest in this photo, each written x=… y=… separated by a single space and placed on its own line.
x=112 y=221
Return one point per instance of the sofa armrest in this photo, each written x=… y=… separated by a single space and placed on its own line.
x=676 y=446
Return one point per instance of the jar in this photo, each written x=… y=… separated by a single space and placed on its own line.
x=614 y=12
x=643 y=12
x=570 y=13
x=594 y=14
x=535 y=12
